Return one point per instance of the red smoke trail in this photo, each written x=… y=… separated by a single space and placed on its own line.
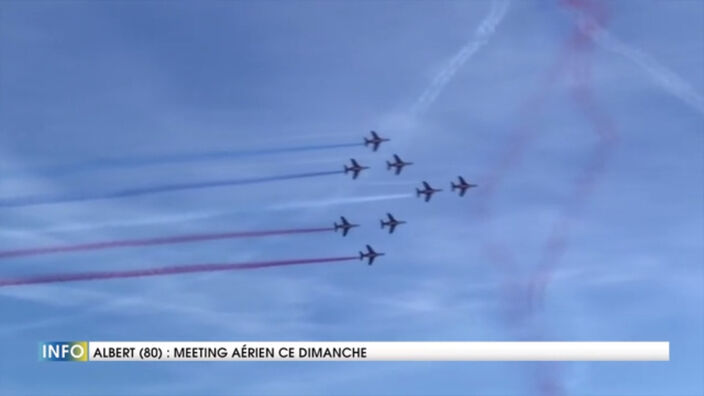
x=524 y=133
x=154 y=241
x=523 y=300
x=566 y=61
x=91 y=276
x=603 y=127
x=529 y=125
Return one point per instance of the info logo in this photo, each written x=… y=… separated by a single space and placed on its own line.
x=64 y=351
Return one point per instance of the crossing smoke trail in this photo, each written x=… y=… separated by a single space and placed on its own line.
x=567 y=61
x=46 y=199
x=154 y=241
x=526 y=297
x=481 y=37
x=605 y=130
x=108 y=163
x=528 y=126
x=185 y=269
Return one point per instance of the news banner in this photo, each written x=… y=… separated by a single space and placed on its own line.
x=143 y=351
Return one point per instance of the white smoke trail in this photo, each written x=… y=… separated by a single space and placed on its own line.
x=340 y=201
x=665 y=78
x=181 y=218
x=88 y=226
x=481 y=37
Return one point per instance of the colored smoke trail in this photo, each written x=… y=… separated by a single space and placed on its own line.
x=110 y=163
x=523 y=134
x=603 y=127
x=154 y=241
x=185 y=269
x=566 y=61
x=48 y=199
x=525 y=295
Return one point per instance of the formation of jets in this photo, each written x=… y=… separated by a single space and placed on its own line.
x=345 y=225
x=397 y=164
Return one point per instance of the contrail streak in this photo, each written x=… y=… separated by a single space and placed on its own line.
x=481 y=37
x=665 y=78
x=109 y=163
x=48 y=199
x=91 y=276
x=154 y=241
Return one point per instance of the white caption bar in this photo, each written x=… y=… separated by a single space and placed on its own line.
x=379 y=351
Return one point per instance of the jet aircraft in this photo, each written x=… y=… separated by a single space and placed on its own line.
x=392 y=223
x=427 y=191
x=398 y=164
x=370 y=255
x=355 y=168
x=375 y=140
x=462 y=185
x=344 y=226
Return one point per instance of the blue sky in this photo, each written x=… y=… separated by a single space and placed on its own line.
x=82 y=80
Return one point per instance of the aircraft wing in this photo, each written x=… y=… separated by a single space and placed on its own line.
x=345 y=231
x=462 y=191
x=376 y=145
x=390 y=217
x=426 y=185
x=398 y=169
x=427 y=197
x=374 y=135
x=355 y=174
x=392 y=227
x=398 y=160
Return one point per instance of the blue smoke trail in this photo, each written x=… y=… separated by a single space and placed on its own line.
x=108 y=163
x=49 y=199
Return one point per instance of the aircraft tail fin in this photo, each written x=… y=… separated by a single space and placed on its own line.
x=454 y=186
x=388 y=165
x=417 y=192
